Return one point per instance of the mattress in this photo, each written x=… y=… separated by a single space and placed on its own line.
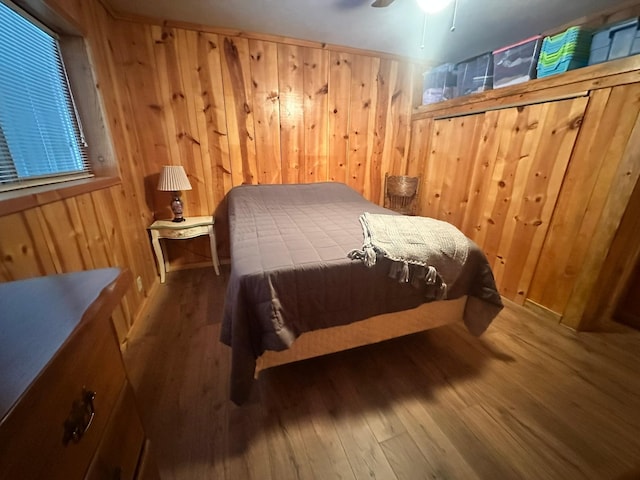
x=290 y=272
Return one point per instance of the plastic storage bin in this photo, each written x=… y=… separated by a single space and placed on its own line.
x=439 y=84
x=615 y=41
x=516 y=63
x=564 y=51
x=475 y=74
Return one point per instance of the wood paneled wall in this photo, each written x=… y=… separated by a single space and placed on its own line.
x=80 y=233
x=603 y=172
x=106 y=227
x=496 y=175
x=235 y=110
x=231 y=110
x=545 y=188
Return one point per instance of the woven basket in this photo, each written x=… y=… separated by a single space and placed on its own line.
x=401 y=192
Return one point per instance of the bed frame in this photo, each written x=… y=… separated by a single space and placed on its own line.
x=365 y=332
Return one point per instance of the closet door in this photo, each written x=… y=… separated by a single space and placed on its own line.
x=582 y=251
x=496 y=175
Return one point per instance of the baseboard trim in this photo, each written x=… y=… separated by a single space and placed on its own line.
x=542 y=311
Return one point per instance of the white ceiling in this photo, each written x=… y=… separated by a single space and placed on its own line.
x=481 y=25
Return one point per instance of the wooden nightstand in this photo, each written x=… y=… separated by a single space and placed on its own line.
x=192 y=227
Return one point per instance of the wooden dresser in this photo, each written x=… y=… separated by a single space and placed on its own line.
x=66 y=407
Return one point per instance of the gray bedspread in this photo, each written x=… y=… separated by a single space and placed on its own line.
x=290 y=272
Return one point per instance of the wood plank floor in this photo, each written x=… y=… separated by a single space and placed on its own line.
x=528 y=400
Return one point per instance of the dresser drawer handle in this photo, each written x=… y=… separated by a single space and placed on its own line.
x=80 y=418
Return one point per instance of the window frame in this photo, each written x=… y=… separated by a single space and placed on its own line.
x=69 y=121
x=80 y=70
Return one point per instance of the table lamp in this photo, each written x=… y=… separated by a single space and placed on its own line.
x=174 y=179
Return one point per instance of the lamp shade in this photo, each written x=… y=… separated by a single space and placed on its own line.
x=173 y=179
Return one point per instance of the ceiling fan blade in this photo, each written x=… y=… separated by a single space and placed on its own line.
x=382 y=3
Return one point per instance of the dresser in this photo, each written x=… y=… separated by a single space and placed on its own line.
x=66 y=407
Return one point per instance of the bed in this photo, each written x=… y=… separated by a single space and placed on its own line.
x=294 y=292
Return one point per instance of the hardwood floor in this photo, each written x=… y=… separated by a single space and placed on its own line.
x=528 y=399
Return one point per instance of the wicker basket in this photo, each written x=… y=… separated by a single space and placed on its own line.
x=401 y=193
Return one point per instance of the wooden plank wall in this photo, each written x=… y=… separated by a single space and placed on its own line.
x=547 y=188
x=106 y=227
x=602 y=174
x=496 y=175
x=80 y=233
x=231 y=110
x=235 y=111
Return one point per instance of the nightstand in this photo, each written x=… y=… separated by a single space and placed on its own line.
x=192 y=227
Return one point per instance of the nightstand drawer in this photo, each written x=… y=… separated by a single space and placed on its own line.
x=185 y=233
x=32 y=436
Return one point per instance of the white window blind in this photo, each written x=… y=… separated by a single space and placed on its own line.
x=41 y=139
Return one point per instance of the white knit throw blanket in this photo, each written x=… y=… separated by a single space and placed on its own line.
x=406 y=240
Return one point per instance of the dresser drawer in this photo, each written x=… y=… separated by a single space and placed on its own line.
x=185 y=233
x=121 y=447
x=31 y=434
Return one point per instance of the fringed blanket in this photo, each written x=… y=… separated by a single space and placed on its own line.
x=421 y=249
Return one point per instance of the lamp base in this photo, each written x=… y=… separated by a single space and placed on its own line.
x=176 y=208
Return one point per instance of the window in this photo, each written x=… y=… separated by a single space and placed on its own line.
x=41 y=140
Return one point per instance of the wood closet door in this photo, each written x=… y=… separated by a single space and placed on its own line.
x=599 y=187
x=496 y=176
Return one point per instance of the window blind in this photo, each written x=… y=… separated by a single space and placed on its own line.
x=40 y=135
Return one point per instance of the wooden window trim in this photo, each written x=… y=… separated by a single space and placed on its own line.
x=15 y=201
